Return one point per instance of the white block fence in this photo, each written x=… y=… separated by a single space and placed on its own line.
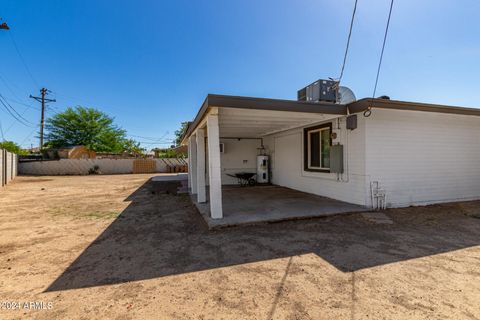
x=8 y=167
x=82 y=166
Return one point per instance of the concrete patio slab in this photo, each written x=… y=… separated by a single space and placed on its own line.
x=264 y=204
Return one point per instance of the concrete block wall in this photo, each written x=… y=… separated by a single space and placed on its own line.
x=8 y=167
x=82 y=166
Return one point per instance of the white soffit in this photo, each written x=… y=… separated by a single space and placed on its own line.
x=248 y=123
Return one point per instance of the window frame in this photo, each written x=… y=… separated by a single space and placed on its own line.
x=306 y=146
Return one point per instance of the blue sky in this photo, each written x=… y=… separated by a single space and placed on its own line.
x=150 y=64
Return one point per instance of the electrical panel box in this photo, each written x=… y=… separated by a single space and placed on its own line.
x=352 y=122
x=336 y=158
x=320 y=90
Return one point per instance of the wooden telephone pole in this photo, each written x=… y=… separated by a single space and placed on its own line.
x=42 y=100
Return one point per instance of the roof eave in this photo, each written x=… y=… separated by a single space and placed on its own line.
x=223 y=101
x=363 y=104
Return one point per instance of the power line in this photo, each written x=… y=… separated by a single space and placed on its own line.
x=12 y=114
x=22 y=59
x=159 y=143
x=28 y=136
x=8 y=86
x=150 y=138
x=13 y=123
x=20 y=103
x=72 y=98
x=368 y=111
x=348 y=41
x=11 y=110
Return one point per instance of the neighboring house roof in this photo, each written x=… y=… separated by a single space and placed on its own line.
x=224 y=101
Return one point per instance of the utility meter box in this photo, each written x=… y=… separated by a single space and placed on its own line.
x=336 y=158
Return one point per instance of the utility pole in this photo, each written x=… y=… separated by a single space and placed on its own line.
x=42 y=100
x=3 y=26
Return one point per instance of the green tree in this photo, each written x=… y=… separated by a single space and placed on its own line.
x=88 y=127
x=11 y=146
x=133 y=147
x=180 y=132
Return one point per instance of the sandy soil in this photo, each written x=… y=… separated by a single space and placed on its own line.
x=118 y=247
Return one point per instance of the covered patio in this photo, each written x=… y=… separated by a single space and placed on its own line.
x=265 y=204
x=241 y=119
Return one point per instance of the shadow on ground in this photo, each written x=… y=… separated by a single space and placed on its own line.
x=161 y=234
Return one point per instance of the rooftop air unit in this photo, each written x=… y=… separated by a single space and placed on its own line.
x=326 y=91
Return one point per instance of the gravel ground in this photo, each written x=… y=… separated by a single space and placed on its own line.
x=122 y=247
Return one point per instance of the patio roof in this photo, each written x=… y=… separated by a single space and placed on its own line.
x=263 y=104
x=309 y=108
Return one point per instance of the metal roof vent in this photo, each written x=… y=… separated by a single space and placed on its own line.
x=345 y=95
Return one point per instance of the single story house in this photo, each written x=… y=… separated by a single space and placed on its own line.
x=413 y=153
x=71 y=152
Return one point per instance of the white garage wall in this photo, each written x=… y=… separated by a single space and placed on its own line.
x=422 y=157
x=286 y=150
x=239 y=156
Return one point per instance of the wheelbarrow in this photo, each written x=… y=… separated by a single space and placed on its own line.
x=244 y=178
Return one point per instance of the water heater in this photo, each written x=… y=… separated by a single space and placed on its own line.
x=262 y=169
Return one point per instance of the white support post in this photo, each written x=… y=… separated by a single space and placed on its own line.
x=201 y=189
x=214 y=166
x=192 y=160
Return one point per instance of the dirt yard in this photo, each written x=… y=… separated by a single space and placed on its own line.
x=119 y=247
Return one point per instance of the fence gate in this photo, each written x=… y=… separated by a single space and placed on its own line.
x=144 y=166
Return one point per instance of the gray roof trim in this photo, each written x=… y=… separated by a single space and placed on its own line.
x=224 y=101
x=363 y=104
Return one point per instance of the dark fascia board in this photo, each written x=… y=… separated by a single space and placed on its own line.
x=363 y=104
x=193 y=124
x=223 y=101
x=275 y=104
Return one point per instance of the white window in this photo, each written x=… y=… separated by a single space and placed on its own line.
x=317 y=148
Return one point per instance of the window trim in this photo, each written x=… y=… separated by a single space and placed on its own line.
x=306 y=151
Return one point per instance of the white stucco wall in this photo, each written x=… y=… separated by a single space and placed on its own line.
x=422 y=157
x=239 y=156
x=286 y=151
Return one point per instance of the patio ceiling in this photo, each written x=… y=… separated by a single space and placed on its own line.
x=251 y=123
